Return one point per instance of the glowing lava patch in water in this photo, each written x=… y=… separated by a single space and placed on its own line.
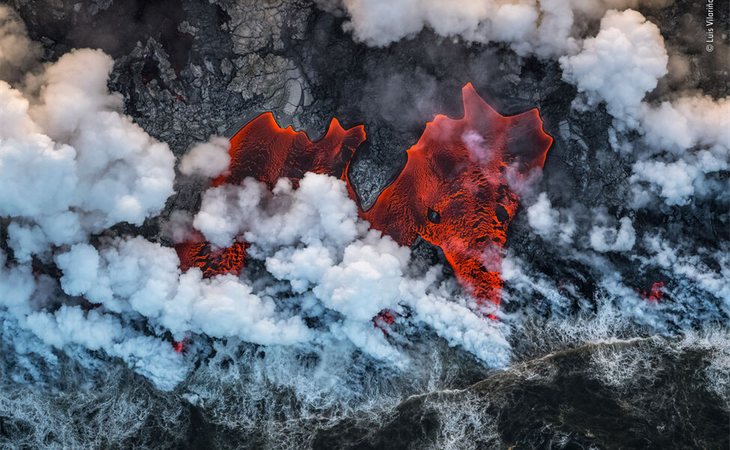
x=458 y=189
x=656 y=292
x=180 y=346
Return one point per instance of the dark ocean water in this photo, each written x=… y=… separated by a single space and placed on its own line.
x=646 y=393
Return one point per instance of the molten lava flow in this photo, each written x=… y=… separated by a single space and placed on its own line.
x=384 y=320
x=457 y=188
x=210 y=261
x=656 y=293
x=267 y=152
x=180 y=346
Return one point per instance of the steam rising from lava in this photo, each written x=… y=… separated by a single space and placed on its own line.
x=617 y=67
x=509 y=148
x=459 y=189
x=282 y=258
x=74 y=284
x=455 y=190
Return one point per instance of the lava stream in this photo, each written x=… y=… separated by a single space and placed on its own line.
x=457 y=189
x=263 y=150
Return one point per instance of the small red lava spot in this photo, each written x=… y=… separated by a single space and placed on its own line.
x=656 y=293
x=384 y=319
x=180 y=346
x=211 y=261
x=180 y=98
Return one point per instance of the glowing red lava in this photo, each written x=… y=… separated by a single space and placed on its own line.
x=457 y=190
x=198 y=253
x=180 y=346
x=384 y=319
x=267 y=152
x=656 y=293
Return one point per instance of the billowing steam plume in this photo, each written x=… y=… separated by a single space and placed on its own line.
x=680 y=157
x=73 y=166
x=81 y=184
x=618 y=67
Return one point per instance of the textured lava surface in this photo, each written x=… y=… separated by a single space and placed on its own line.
x=212 y=261
x=265 y=151
x=459 y=188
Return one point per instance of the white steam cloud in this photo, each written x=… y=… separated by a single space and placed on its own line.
x=72 y=166
x=312 y=239
x=617 y=67
x=621 y=64
x=546 y=221
x=208 y=159
x=546 y=28
x=689 y=135
x=694 y=133
x=608 y=239
x=70 y=163
x=17 y=52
